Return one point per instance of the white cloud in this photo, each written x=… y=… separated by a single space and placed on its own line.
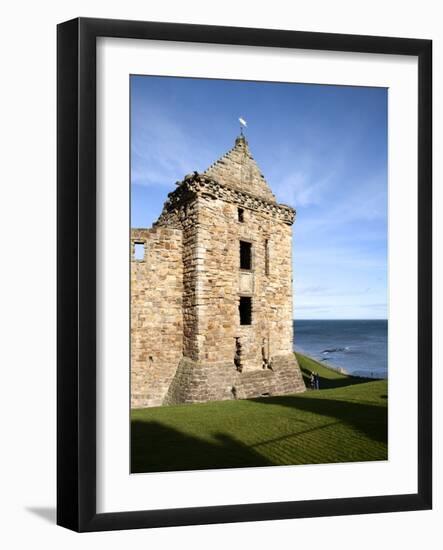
x=162 y=151
x=299 y=189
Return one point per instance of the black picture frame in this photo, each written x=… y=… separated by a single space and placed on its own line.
x=76 y=280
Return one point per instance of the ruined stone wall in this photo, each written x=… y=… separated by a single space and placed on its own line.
x=199 y=381
x=156 y=314
x=215 y=282
x=237 y=169
x=188 y=344
x=221 y=282
x=184 y=215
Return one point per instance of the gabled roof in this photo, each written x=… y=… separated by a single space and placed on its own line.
x=238 y=169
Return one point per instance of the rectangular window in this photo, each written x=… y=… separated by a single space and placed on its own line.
x=245 y=310
x=241 y=215
x=139 y=251
x=266 y=257
x=245 y=255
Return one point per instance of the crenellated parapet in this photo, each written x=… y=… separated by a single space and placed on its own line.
x=194 y=185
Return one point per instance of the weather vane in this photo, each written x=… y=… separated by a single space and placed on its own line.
x=242 y=124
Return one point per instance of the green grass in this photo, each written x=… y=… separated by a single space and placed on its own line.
x=345 y=421
x=329 y=378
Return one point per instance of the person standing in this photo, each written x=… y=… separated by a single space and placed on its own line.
x=312 y=381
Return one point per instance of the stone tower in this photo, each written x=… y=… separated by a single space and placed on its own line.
x=211 y=291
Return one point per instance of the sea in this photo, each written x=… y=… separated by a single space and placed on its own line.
x=359 y=347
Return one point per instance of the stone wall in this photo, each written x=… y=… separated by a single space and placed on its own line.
x=221 y=282
x=156 y=314
x=237 y=169
x=187 y=341
x=212 y=368
x=199 y=381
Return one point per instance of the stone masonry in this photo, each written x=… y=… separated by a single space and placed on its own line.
x=211 y=295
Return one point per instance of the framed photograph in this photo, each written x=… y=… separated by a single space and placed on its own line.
x=244 y=274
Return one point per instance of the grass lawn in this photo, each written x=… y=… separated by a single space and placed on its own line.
x=344 y=421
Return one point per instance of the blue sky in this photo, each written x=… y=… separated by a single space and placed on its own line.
x=322 y=149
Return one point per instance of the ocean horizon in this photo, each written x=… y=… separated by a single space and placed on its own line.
x=359 y=346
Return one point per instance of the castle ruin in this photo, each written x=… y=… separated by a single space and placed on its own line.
x=211 y=291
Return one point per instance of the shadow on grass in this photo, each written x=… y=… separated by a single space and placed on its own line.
x=330 y=383
x=371 y=420
x=159 y=448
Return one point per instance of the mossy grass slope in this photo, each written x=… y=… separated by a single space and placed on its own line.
x=344 y=421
